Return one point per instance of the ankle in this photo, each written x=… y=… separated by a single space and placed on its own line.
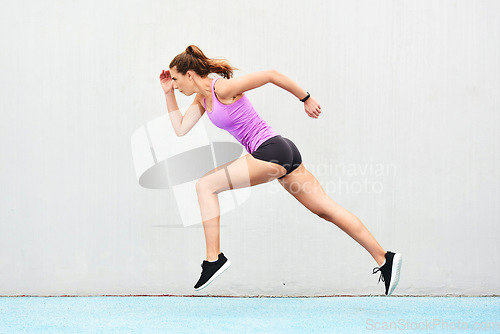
x=380 y=260
x=212 y=258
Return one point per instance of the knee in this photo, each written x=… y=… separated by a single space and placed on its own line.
x=323 y=215
x=323 y=210
x=202 y=186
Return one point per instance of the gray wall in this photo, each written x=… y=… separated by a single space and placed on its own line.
x=408 y=141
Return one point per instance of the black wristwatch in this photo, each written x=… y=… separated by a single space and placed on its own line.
x=305 y=98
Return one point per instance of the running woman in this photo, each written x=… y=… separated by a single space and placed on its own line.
x=270 y=156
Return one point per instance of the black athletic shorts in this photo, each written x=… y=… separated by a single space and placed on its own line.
x=281 y=151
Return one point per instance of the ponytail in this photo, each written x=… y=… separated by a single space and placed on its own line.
x=194 y=59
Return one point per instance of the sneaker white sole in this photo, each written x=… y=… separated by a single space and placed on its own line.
x=396 y=269
x=220 y=271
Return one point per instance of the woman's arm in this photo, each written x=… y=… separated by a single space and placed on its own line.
x=173 y=112
x=183 y=124
x=236 y=86
x=311 y=106
x=282 y=81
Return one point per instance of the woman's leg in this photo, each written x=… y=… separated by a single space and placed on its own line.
x=245 y=171
x=308 y=191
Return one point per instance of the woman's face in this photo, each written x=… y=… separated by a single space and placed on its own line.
x=181 y=82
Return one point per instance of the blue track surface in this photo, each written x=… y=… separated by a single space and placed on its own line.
x=248 y=315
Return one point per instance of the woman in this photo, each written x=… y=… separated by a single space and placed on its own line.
x=270 y=157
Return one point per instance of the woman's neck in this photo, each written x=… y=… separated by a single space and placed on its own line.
x=205 y=86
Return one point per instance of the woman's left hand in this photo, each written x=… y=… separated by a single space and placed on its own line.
x=312 y=107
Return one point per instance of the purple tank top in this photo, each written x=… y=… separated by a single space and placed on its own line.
x=241 y=120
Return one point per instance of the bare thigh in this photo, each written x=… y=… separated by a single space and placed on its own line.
x=245 y=171
x=304 y=186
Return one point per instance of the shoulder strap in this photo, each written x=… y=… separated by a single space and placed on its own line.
x=213 y=83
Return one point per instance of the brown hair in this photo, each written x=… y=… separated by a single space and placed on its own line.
x=194 y=59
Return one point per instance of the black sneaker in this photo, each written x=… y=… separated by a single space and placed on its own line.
x=389 y=271
x=210 y=270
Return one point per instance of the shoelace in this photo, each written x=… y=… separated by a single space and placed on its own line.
x=376 y=270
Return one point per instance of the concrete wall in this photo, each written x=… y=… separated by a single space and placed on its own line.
x=408 y=141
